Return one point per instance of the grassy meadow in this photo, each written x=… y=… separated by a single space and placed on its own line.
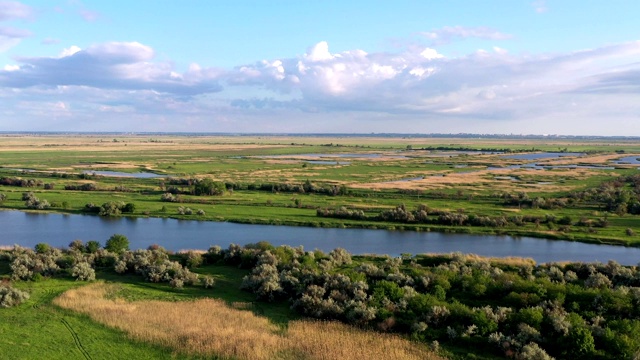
x=375 y=175
x=121 y=316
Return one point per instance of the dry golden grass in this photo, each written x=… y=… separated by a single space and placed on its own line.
x=333 y=340
x=208 y=327
x=512 y=261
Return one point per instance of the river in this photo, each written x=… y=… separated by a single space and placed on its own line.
x=28 y=229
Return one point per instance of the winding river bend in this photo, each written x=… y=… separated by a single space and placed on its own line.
x=28 y=229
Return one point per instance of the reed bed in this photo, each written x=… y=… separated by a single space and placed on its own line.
x=209 y=327
x=324 y=340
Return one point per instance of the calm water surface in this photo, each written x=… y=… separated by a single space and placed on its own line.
x=28 y=229
x=544 y=155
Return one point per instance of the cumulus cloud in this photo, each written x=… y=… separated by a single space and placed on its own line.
x=411 y=90
x=482 y=85
x=112 y=65
x=449 y=34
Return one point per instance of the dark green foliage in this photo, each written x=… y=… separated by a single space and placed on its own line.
x=117 y=243
x=129 y=208
x=42 y=248
x=92 y=246
x=208 y=187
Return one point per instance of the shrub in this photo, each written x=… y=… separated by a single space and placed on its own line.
x=83 y=271
x=193 y=259
x=340 y=256
x=111 y=208
x=129 y=208
x=117 y=243
x=32 y=202
x=11 y=297
x=77 y=245
x=208 y=282
x=42 y=248
x=169 y=197
x=92 y=246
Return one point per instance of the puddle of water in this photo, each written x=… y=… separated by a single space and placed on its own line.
x=628 y=160
x=544 y=155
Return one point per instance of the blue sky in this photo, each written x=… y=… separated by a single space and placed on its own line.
x=523 y=67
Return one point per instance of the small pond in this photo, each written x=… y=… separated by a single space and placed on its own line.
x=628 y=160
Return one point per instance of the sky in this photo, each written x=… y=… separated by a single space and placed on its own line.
x=566 y=67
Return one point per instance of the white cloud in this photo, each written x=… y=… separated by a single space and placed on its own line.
x=413 y=90
x=449 y=34
x=10 y=10
x=319 y=52
x=480 y=86
x=9 y=36
x=431 y=54
x=69 y=51
x=112 y=65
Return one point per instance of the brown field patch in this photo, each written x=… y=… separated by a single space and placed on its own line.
x=208 y=327
x=486 y=178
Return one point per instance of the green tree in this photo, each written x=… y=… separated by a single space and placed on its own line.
x=117 y=243
x=129 y=208
x=92 y=246
x=208 y=187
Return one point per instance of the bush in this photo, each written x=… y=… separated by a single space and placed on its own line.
x=11 y=297
x=42 y=248
x=117 y=243
x=208 y=282
x=111 y=208
x=82 y=271
x=92 y=246
x=129 y=208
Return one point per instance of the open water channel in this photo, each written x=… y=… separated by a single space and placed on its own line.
x=28 y=229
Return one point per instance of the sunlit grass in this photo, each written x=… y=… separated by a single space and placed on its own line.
x=208 y=327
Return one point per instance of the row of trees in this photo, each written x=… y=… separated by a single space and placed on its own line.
x=426 y=215
x=111 y=208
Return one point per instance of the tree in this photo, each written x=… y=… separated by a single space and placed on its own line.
x=117 y=243
x=92 y=246
x=129 y=208
x=208 y=187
